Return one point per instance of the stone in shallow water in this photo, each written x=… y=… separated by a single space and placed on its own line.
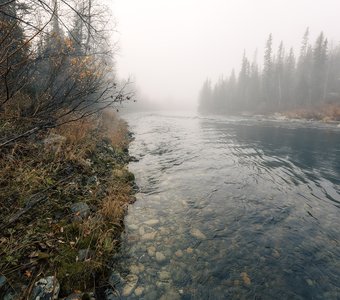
x=151 y=222
x=189 y=250
x=130 y=285
x=139 y=291
x=134 y=269
x=310 y=282
x=171 y=294
x=133 y=226
x=245 y=278
x=151 y=251
x=160 y=257
x=196 y=233
x=179 y=253
x=149 y=236
x=164 y=275
x=276 y=253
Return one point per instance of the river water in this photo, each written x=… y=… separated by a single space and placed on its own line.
x=232 y=208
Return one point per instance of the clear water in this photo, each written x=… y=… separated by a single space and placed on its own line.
x=232 y=208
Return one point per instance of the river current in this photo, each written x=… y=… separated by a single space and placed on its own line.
x=231 y=208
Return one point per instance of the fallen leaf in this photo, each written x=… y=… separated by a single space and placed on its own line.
x=28 y=273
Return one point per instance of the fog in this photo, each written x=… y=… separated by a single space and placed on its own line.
x=171 y=47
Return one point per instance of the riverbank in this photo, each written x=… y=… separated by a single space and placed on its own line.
x=324 y=113
x=64 y=195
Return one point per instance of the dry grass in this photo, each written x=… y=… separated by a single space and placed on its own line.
x=326 y=113
x=77 y=162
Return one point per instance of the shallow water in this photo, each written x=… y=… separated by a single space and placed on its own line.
x=232 y=208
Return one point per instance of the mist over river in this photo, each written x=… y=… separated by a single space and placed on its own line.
x=232 y=208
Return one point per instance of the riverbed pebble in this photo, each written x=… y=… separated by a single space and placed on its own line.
x=151 y=222
x=149 y=236
x=139 y=291
x=164 y=275
x=131 y=283
x=160 y=257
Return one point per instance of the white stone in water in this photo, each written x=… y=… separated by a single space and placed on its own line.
x=179 y=253
x=151 y=222
x=139 y=291
x=134 y=269
x=160 y=257
x=149 y=236
x=196 y=233
x=151 y=251
x=130 y=285
x=164 y=275
x=133 y=226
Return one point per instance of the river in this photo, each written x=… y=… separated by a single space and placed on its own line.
x=232 y=208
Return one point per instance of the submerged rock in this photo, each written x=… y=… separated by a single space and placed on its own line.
x=179 y=253
x=245 y=278
x=149 y=236
x=164 y=275
x=151 y=222
x=151 y=250
x=196 y=233
x=131 y=283
x=160 y=257
x=46 y=289
x=139 y=291
x=136 y=269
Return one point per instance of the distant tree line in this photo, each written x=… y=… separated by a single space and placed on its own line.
x=56 y=63
x=284 y=82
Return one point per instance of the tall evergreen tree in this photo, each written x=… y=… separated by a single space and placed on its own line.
x=268 y=73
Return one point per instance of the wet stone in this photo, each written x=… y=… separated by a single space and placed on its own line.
x=151 y=222
x=160 y=257
x=149 y=236
x=164 y=275
x=309 y=282
x=151 y=250
x=133 y=226
x=245 y=278
x=189 y=250
x=196 y=233
x=139 y=291
x=131 y=283
x=134 y=269
x=179 y=253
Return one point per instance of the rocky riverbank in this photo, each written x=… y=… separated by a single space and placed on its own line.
x=64 y=195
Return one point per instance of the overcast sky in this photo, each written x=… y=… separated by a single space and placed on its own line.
x=172 y=46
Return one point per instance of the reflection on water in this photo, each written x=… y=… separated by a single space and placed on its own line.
x=232 y=209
